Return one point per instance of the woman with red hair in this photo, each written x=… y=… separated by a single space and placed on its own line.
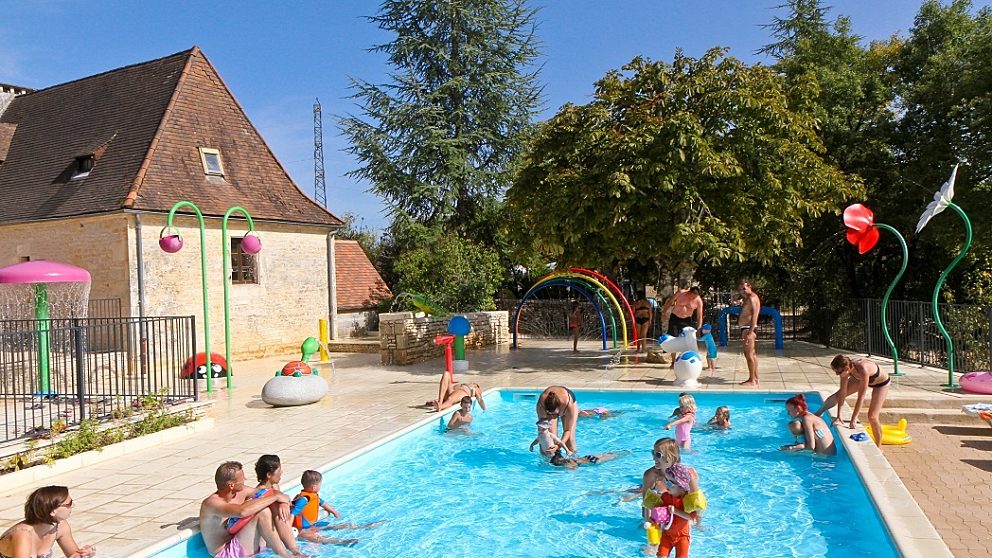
x=815 y=432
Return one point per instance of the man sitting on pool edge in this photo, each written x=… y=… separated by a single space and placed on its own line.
x=231 y=501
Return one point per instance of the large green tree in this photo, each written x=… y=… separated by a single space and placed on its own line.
x=674 y=165
x=439 y=141
x=944 y=77
x=854 y=114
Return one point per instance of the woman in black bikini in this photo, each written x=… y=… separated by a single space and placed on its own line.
x=46 y=522
x=859 y=374
x=558 y=402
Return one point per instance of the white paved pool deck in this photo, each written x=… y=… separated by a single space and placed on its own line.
x=128 y=505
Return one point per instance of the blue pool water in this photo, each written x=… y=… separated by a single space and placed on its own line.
x=484 y=494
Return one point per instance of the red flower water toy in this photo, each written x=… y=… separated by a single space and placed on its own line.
x=861 y=229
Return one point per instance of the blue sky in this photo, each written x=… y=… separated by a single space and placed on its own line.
x=277 y=56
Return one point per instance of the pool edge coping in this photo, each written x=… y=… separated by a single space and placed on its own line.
x=909 y=528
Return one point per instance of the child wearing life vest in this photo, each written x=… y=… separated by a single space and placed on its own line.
x=683 y=501
x=306 y=512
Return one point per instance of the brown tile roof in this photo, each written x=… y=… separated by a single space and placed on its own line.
x=359 y=284
x=145 y=123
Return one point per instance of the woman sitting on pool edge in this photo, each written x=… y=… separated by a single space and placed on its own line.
x=46 y=522
x=450 y=393
x=816 y=433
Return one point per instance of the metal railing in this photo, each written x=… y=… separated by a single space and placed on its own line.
x=54 y=371
x=103 y=308
x=914 y=332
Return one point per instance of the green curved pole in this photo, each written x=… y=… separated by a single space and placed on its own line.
x=203 y=280
x=888 y=293
x=227 y=284
x=940 y=283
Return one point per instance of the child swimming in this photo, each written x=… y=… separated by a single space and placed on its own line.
x=721 y=419
x=683 y=425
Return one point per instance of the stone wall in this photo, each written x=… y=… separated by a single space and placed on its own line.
x=404 y=339
x=271 y=317
x=97 y=244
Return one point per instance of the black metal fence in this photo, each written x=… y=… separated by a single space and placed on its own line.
x=66 y=370
x=857 y=327
x=914 y=332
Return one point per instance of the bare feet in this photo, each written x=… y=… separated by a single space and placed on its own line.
x=749 y=383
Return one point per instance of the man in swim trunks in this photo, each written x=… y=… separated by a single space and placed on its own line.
x=231 y=501
x=643 y=312
x=747 y=321
x=686 y=309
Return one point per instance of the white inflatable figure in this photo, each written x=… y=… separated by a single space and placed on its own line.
x=688 y=367
x=687 y=341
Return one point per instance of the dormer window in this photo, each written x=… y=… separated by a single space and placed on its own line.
x=84 y=165
x=212 y=163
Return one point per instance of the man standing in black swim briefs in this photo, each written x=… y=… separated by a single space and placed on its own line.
x=747 y=321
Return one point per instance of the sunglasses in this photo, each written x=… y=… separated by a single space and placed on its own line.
x=657 y=454
x=68 y=504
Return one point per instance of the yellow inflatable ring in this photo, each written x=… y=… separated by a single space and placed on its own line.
x=893 y=434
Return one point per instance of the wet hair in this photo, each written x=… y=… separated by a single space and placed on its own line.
x=227 y=472
x=466 y=399
x=265 y=466
x=558 y=459
x=42 y=502
x=799 y=402
x=688 y=403
x=723 y=409
x=695 y=290
x=310 y=479
x=669 y=449
x=552 y=403
x=839 y=363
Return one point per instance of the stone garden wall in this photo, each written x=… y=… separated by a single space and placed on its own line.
x=404 y=339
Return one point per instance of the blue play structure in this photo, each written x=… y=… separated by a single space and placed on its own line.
x=721 y=324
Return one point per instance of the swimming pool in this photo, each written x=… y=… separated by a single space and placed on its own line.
x=449 y=494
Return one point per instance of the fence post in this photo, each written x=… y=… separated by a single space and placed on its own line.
x=866 y=304
x=77 y=343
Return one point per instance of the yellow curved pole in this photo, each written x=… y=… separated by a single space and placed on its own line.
x=602 y=287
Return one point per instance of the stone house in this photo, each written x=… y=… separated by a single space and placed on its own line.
x=90 y=169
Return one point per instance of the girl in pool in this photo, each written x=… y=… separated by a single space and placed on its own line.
x=549 y=442
x=721 y=420
x=678 y=481
x=818 y=437
x=683 y=425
